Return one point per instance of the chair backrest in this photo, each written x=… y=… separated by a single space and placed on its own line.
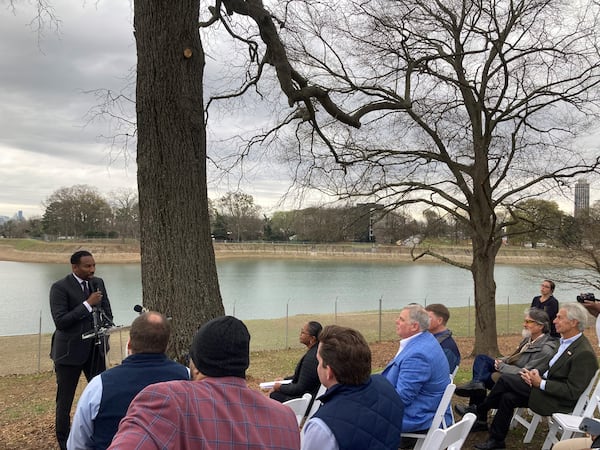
x=316 y=403
x=585 y=398
x=440 y=414
x=299 y=406
x=451 y=438
x=453 y=374
x=594 y=399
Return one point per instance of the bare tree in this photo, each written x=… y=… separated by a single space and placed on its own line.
x=179 y=274
x=77 y=211
x=126 y=214
x=581 y=240
x=466 y=107
x=241 y=214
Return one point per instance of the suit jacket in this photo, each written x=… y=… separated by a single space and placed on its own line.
x=420 y=375
x=72 y=320
x=566 y=380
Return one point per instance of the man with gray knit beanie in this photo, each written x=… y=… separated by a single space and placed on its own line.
x=216 y=410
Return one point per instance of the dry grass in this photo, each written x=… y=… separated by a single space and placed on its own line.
x=27 y=401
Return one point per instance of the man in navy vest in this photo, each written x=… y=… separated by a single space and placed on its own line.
x=105 y=400
x=358 y=410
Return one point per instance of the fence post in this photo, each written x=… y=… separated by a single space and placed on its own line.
x=287 y=322
x=380 y=313
x=508 y=314
x=469 y=316
x=335 y=310
x=39 y=355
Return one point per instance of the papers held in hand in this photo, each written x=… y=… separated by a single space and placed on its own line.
x=269 y=384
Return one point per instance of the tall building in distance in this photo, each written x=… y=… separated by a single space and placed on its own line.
x=582 y=197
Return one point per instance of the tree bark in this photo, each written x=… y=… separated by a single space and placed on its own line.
x=179 y=276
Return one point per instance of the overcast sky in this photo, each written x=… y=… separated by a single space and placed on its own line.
x=45 y=143
x=45 y=140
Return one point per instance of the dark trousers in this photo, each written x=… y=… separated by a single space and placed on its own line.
x=276 y=395
x=508 y=393
x=483 y=368
x=67 y=378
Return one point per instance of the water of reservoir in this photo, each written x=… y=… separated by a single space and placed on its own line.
x=265 y=289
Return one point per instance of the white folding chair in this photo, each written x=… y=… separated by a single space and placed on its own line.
x=438 y=419
x=451 y=438
x=567 y=425
x=453 y=374
x=299 y=406
x=316 y=403
x=521 y=415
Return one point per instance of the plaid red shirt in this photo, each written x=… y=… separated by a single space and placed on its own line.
x=213 y=413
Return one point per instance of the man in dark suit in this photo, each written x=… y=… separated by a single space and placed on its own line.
x=556 y=389
x=80 y=307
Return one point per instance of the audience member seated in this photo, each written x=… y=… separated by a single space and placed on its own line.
x=584 y=443
x=419 y=371
x=548 y=303
x=216 y=409
x=438 y=319
x=305 y=378
x=533 y=352
x=556 y=389
x=358 y=410
x=106 y=398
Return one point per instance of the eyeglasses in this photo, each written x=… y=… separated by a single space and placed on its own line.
x=530 y=321
x=547 y=286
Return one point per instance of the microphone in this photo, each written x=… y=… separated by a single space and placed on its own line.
x=140 y=309
x=93 y=285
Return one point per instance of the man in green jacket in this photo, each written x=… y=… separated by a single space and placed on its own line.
x=556 y=389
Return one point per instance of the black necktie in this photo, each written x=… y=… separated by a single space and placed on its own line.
x=86 y=290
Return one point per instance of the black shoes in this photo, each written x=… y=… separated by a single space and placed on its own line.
x=479 y=425
x=491 y=444
x=472 y=387
x=464 y=409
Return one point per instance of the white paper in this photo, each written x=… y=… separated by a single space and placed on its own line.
x=269 y=384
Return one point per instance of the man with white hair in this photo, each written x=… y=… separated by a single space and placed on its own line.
x=545 y=392
x=419 y=371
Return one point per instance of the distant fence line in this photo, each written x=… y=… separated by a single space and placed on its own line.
x=514 y=255
x=30 y=353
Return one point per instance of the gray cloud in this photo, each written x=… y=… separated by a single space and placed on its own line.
x=46 y=141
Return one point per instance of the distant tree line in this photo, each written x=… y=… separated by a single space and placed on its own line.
x=81 y=211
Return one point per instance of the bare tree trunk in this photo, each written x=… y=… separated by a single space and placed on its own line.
x=486 y=333
x=179 y=276
x=486 y=244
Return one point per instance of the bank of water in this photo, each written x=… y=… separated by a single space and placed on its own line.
x=273 y=288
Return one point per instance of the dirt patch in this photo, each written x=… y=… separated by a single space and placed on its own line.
x=27 y=401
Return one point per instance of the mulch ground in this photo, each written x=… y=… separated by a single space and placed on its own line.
x=27 y=401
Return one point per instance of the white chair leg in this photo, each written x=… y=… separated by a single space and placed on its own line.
x=535 y=420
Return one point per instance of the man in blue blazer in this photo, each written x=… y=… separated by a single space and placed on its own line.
x=419 y=371
x=79 y=305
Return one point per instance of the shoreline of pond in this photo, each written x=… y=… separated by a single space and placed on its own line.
x=115 y=253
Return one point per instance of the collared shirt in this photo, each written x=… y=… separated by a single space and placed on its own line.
x=80 y=437
x=564 y=344
x=404 y=342
x=317 y=435
x=79 y=281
